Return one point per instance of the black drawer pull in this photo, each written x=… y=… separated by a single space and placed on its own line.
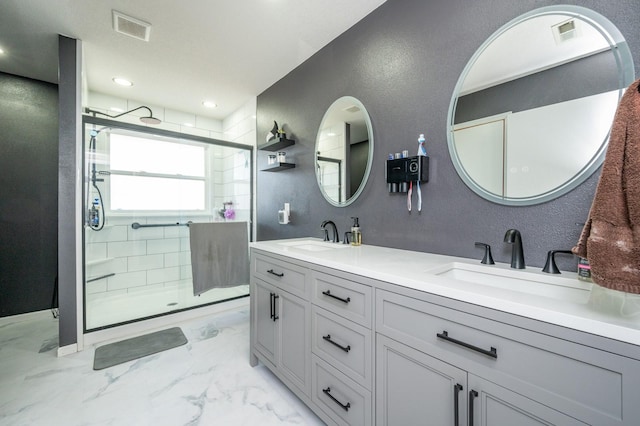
x=275 y=273
x=328 y=293
x=328 y=339
x=456 y=390
x=472 y=396
x=346 y=406
x=493 y=352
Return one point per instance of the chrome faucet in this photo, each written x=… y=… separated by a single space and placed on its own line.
x=336 y=239
x=513 y=236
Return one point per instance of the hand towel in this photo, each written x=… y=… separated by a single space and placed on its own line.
x=610 y=239
x=219 y=255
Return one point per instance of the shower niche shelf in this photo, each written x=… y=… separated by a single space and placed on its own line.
x=278 y=167
x=99 y=261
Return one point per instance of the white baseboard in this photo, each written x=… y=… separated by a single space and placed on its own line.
x=68 y=350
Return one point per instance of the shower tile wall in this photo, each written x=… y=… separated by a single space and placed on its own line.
x=152 y=259
x=142 y=259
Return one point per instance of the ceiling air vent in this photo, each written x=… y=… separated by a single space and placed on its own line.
x=131 y=27
x=565 y=31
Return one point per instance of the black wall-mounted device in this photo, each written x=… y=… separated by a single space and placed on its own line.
x=401 y=171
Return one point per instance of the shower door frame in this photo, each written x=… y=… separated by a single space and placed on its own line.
x=90 y=120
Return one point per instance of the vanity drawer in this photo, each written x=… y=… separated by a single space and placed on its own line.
x=552 y=371
x=345 y=345
x=346 y=298
x=342 y=399
x=285 y=275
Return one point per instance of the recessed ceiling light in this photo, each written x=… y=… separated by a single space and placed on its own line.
x=187 y=124
x=116 y=109
x=209 y=104
x=122 y=81
x=1 y=51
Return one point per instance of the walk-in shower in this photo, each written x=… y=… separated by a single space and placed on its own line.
x=142 y=188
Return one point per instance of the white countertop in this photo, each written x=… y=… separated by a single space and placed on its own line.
x=417 y=270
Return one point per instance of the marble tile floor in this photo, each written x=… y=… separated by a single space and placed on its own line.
x=208 y=381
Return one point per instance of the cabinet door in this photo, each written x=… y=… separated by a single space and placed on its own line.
x=493 y=405
x=265 y=328
x=413 y=388
x=294 y=319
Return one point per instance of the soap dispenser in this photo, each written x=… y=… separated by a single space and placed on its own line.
x=356 y=235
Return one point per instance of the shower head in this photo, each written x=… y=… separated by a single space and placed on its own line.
x=149 y=119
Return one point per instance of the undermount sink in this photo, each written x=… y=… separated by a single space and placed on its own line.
x=551 y=286
x=313 y=245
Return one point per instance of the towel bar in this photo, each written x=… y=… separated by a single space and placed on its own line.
x=136 y=225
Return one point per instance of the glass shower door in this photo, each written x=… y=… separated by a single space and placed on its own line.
x=141 y=192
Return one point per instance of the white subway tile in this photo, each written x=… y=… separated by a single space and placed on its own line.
x=168 y=245
x=186 y=272
x=95 y=251
x=96 y=287
x=107 y=234
x=127 y=248
x=177 y=259
x=127 y=280
x=176 y=231
x=142 y=263
x=155 y=276
x=185 y=244
x=114 y=265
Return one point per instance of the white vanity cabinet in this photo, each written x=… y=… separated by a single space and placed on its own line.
x=362 y=350
x=508 y=375
x=281 y=321
x=342 y=346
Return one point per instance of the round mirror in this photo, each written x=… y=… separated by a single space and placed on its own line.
x=344 y=151
x=530 y=115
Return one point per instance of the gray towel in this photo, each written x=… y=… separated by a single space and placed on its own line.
x=219 y=255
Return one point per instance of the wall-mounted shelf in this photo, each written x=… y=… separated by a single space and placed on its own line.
x=278 y=167
x=277 y=144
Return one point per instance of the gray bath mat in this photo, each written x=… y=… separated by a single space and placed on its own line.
x=137 y=347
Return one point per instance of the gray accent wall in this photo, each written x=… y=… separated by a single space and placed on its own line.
x=28 y=194
x=403 y=61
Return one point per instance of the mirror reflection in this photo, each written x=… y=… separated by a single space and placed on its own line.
x=530 y=116
x=344 y=149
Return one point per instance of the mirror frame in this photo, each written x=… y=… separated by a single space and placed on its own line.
x=626 y=75
x=367 y=171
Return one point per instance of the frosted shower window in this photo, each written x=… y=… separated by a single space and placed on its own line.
x=148 y=174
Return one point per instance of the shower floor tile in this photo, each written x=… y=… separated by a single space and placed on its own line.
x=108 y=308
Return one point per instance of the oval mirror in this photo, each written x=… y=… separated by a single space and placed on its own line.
x=344 y=151
x=530 y=115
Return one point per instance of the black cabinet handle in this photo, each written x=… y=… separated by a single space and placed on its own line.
x=275 y=306
x=271 y=314
x=270 y=271
x=493 y=352
x=346 y=406
x=472 y=396
x=456 y=410
x=328 y=293
x=344 y=348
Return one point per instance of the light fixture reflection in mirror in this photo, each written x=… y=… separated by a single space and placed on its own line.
x=344 y=151
x=531 y=112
